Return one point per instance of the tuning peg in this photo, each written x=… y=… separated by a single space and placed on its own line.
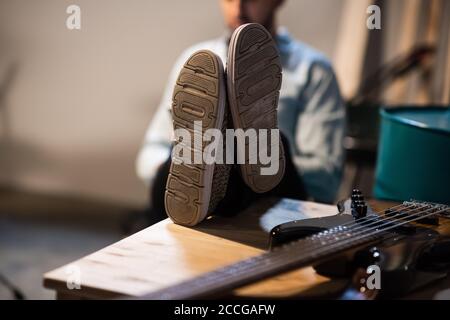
x=357 y=197
x=359 y=210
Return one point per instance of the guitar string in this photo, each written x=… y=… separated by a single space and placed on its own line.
x=356 y=237
x=365 y=232
x=375 y=218
x=413 y=206
x=276 y=259
x=373 y=222
x=369 y=217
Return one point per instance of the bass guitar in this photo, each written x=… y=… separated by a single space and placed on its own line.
x=402 y=242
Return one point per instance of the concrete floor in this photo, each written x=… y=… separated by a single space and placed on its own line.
x=39 y=233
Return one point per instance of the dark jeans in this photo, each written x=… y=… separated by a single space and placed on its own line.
x=238 y=196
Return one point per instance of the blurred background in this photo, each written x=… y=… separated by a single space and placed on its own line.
x=75 y=104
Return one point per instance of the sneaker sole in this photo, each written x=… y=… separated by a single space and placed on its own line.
x=199 y=94
x=254 y=81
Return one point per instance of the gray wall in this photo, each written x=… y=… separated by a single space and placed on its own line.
x=74 y=105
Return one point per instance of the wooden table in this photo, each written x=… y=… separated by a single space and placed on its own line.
x=166 y=253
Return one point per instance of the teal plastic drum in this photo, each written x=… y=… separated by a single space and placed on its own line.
x=414 y=155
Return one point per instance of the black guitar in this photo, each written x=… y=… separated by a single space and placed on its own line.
x=400 y=242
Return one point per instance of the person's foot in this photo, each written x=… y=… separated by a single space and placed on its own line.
x=254 y=81
x=193 y=190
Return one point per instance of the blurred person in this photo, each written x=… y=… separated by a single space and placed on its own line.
x=311 y=116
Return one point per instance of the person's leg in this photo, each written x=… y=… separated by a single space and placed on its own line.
x=291 y=186
x=239 y=196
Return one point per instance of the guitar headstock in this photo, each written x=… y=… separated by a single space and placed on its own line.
x=349 y=210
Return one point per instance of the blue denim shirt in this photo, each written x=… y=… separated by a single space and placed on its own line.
x=311 y=115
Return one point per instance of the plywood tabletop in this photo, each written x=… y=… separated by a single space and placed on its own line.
x=166 y=253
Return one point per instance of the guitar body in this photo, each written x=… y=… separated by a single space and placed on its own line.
x=406 y=263
x=409 y=258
